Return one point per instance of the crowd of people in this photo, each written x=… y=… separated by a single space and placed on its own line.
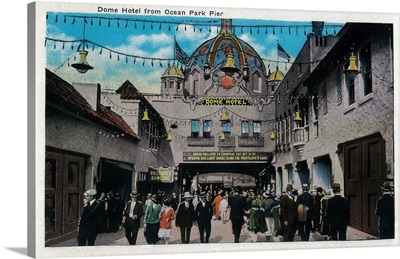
x=262 y=213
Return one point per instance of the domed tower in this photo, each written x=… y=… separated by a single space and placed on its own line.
x=172 y=81
x=226 y=66
x=274 y=79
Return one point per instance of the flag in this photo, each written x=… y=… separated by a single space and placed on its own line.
x=282 y=53
x=180 y=55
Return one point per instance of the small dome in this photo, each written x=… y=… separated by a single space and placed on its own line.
x=276 y=76
x=173 y=70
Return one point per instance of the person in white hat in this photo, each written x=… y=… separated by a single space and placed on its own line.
x=185 y=216
x=132 y=213
x=88 y=223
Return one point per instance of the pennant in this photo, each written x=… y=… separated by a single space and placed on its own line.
x=282 y=53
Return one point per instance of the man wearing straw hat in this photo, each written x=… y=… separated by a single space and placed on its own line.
x=185 y=216
x=132 y=213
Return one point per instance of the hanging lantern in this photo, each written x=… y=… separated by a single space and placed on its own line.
x=170 y=136
x=297 y=118
x=83 y=66
x=352 y=70
x=229 y=68
x=223 y=136
x=224 y=116
x=273 y=136
x=246 y=72
x=145 y=116
x=207 y=71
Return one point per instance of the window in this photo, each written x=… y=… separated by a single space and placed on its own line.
x=207 y=129
x=195 y=128
x=171 y=84
x=365 y=66
x=350 y=91
x=245 y=128
x=256 y=129
x=315 y=106
x=287 y=86
x=195 y=86
x=256 y=82
x=165 y=85
x=226 y=128
x=179 y=85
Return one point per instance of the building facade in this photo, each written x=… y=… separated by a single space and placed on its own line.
x=333 y=126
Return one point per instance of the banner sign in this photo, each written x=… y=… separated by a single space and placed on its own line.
x=161 y=176
x=226 y=101
x=227 y=156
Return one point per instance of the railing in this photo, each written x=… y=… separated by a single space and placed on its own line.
x=201 y=141
x=251 y=142
x=227 y=142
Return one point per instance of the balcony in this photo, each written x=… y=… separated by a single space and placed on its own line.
x=251 y=141
x=300 y=138
x=201 y=141
x=227 y=142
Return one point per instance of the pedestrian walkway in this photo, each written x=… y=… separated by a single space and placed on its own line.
x=220 y=233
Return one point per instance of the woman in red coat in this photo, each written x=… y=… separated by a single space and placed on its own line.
x=167 y=215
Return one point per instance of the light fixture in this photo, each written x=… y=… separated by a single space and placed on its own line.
x=224 y=116
x=207 y=71
x=273 y=136
x=246 y=72
x=352 y=70
x=229 y=68
x=170 y=137
x=297 y=118
x=223 y=136
x=145 y=116
x=83 y=66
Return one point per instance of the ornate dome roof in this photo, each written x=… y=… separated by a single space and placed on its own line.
x=213 y=51
x=173 y=70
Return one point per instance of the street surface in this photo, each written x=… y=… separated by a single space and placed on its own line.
x=220 y=233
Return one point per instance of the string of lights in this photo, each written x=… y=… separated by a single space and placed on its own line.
x=296 y=29
x=143 y=59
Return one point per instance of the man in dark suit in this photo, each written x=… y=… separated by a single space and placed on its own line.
x=185 y=216
x=204 y=213
x=132 y=213
x=337 y=214
x=288 y=214
x=385 y=212
x=237 y=205
x=305 y=201
x=89 y=221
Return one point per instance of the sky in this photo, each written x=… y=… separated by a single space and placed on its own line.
x=139 y=48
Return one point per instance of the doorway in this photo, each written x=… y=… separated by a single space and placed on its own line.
x=364 y=172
